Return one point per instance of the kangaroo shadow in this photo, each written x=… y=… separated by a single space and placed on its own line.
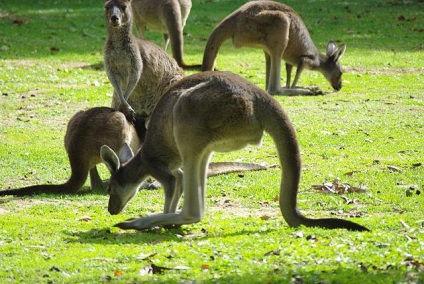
x=150 y=236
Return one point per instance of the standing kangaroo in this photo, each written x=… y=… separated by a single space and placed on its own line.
x=281 y=33
x=168 y=17
x=138 y=70
x=87 y=132
x=202 y=113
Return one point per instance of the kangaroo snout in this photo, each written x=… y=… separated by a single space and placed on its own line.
x=114 y=19
x=114 y=207
x=113 y=211
x=336 y=83
x=337 y=88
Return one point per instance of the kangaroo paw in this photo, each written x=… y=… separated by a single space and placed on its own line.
x=128 y=111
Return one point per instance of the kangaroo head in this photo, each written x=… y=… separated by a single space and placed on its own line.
x=118 y=12
x=330 y=65
x=120 y=191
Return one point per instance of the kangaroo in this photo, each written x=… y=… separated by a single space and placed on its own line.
x=168 y=17
x=281 y=33
x=138 y=70
x=200 y=114
x=87 y=131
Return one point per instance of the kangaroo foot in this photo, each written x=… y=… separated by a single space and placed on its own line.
x=298 y=91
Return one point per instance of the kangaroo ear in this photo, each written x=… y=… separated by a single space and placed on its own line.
x=110 y=159
x=125 y=154
x=339 y=53
x=331 y=48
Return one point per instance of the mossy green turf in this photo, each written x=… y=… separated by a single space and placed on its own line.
x=370 y=135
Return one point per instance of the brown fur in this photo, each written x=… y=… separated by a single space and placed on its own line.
x=86 y=132
x=138 y=70
x=280 y=32
x=168 y=17
x=200 y=114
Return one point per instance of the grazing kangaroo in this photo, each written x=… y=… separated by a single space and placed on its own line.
x=138 y=70
x=168 y=17
x=281 y=33
x=87 y=131
x=202 y=113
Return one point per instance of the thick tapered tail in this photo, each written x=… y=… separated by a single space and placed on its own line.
x=333 y=223
x=222 y=32
x=221 y=168
x=73 y=185
x=277 y=124
x=39 y=189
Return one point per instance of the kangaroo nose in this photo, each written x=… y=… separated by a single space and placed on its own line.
x=114 y=19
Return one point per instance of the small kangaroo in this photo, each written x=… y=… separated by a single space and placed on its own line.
x=281 y=33
x=168 y=17
x=138 y=70
x=200 y=114
x=87 y=131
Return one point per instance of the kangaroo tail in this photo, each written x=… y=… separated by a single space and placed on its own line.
x=222 y=32
x=39 y=189
x=278 y=125
x=75 y=182
x=232 y=167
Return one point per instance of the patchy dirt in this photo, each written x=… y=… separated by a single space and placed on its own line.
x=384 y=71
x=62 y=65
x=3 y=211
x=233 y=208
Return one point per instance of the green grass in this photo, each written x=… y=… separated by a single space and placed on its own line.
x=51 y=67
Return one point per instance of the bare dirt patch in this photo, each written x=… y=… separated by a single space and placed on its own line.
x=3 y=211
x=384 y=71
x=236 y=209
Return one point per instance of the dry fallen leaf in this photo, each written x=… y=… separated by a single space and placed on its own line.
x=337 y=188
x=155 y=269
x=273 y=252
x=85 y=218
x=393 y=168
x=404 y=224
x=205 y=266
x=265 y=217
x=409 y=261
x=146 y=256
x=19 y=22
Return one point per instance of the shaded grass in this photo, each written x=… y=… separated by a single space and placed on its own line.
x=51 y=67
